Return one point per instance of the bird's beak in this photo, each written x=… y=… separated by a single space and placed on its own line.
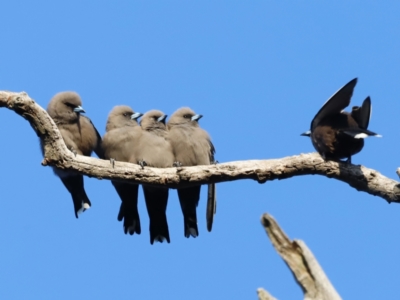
x=196 y=117
x=136 y=116
x=307 y=133
x=162 y=118
x=79 y=109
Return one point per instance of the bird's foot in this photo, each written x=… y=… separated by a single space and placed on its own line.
x=112 y=162
x=142 y=163
x=73 y=151
x=177 y=164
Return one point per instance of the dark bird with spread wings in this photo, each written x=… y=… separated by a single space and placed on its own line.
x=337 y=134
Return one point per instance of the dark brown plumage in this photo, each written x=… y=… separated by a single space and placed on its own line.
x=191 y=147
x=336 y=134
x=154 y=150
x=122 y=134
x=80 y=136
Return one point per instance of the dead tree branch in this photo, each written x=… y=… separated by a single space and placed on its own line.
x=57 y=154
x=300 y=260
x=264 y=295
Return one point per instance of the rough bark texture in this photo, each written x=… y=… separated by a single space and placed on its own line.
x=299 y=258
x=264 y=295
x=57 y=154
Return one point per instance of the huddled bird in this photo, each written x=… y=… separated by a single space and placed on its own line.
x=337 y=134
x=191 y=146
x=122 y=135
x=153 y=149
x=80 y=137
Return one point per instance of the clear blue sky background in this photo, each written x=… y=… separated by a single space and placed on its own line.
x=258 y=71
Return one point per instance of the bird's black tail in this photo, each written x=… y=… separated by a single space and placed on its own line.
x=131 y=218
x=156 y=201
x=74 y=185
x=128 y=210
x=159 y=229
x=211 y=205
x=189 y=199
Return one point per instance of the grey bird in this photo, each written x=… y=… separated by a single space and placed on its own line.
x=337 y=134
x=122 y=134
x=80 y=137
x=154 y=150
x=192 y=146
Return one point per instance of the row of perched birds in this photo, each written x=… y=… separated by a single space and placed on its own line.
x=334 y=133
x=153 y=143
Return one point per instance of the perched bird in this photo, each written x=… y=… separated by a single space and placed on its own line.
x=191 y=146
x=336 y=134
x=122 y=134
x=80 y=136
x=154 y=150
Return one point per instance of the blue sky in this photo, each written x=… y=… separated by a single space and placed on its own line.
x=258 y=71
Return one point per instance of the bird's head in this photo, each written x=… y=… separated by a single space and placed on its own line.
x=65 y=107
x=153 y=119
x=121 y=116
x=184 y=115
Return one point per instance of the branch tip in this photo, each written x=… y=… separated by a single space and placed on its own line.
x=265 y=220
x=299 y=258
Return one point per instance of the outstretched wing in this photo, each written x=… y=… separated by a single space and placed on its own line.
x=335 y=104
x=365 y=113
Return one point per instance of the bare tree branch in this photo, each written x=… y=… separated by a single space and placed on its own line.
x=264 y=295
x=299 y=258
x=57 y=154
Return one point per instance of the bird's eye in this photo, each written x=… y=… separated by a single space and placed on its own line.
x=187 y=116
x=69 y=105
x=124 y=114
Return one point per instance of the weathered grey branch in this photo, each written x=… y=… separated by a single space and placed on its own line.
x=57 y=154
x=264 y=295
x=299 y=258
